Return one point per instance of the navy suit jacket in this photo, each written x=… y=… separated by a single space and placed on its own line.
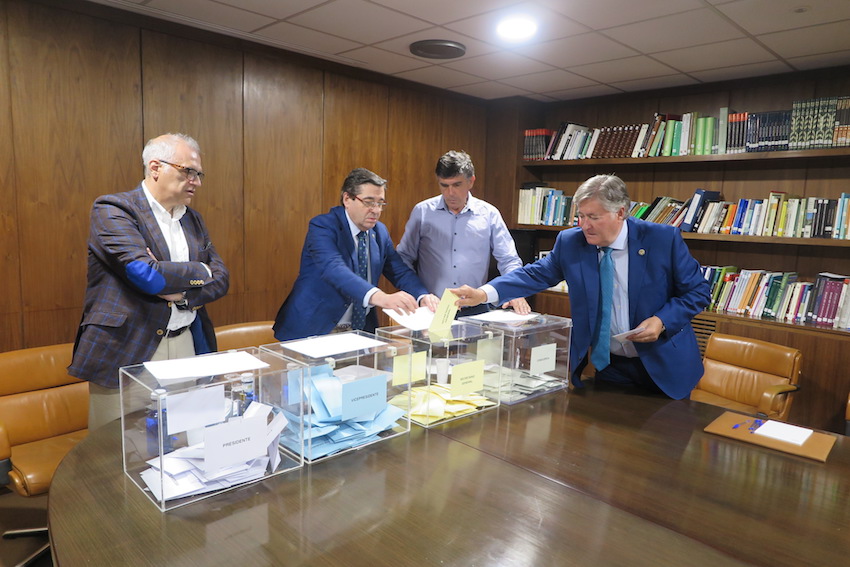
x=123 y=319
x=328 y=283
x=664 y=280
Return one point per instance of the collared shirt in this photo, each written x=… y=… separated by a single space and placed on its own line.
x=178 y=249
x=448 y=250
x=620 y=299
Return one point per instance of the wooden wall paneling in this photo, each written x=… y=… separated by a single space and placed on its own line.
x=568 y=180
x=812 y=260
x=506 y=120
x=705 y=252
x=355 y=126
x=705 y=102
x=11 y=315
x=580 y=112
x=196 y=89
x=757 y=255
x=770 y=93
x=833 y=82
x=465 y=128
x=626 y=109
x=681 y=182
x=828 y=182
x=414 y=142
x=76 y=132
x=283 y=161
x=743 y=179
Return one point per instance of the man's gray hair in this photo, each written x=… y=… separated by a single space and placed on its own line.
x=164 y=148
x=609 y=189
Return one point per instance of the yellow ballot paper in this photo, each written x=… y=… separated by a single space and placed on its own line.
x=409 y=367
x=467 y=377
x=445 y=315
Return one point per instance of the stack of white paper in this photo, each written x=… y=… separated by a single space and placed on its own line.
x=234 y=452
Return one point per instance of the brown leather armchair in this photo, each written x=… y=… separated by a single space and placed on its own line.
x=44 y=412
x=241 y=335
x=749 y=375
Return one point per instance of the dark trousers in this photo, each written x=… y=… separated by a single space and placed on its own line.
x=474 y=310
x=625 y=371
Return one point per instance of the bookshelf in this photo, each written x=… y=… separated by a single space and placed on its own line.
x=822 y=172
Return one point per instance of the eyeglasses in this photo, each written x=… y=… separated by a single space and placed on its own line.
x=372 y=203
x=191 y=174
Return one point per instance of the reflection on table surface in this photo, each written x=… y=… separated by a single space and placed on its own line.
x=589 y=478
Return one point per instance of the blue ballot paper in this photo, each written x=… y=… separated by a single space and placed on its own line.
x=347 y=411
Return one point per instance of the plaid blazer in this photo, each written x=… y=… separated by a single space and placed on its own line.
x=123 y=319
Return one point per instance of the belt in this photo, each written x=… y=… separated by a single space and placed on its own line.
x=169 y=334
x=342 y=328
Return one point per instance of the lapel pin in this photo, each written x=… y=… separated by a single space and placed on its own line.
x=641 y=252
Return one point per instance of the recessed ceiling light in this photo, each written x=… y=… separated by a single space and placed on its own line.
x=516 y=28
x=438 y=49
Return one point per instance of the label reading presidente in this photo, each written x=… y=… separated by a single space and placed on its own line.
x=234 y=442
x=364 y=396
x=542 y=359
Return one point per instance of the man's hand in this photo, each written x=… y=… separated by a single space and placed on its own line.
x=177 y=296
x=519 y=304
x=430 y=301
x=172 y=296
x=469 y=296
x=401 y=301
x=652 y=329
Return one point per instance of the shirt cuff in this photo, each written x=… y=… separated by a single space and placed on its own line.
x=209 y=272
x=492 y=294
x=368 y=296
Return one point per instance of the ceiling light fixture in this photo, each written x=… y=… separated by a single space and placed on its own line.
x=438 y=49
x=516 y=28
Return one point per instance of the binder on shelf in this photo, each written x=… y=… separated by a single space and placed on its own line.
x=699 y=200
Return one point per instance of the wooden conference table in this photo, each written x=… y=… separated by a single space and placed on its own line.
x=593 y=478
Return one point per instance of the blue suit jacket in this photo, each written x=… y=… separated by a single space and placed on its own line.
x=664 y=280
x=123 y=319
x=328 y=283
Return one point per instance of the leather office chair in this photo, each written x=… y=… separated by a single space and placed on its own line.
x=241 y=335
x=748 y=375
x=44 y=412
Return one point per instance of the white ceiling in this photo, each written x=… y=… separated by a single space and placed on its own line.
x=583 y=47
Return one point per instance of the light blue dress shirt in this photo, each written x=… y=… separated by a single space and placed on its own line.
x=448 y=250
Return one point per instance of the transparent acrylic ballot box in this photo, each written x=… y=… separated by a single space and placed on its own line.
x=448 y=372
x=194 y=427
x=349 y=379
x=536 y=355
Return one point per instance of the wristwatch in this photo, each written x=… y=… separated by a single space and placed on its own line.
x=182 y=304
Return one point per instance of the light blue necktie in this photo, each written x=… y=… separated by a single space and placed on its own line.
x=601 y=354
x=358 y=315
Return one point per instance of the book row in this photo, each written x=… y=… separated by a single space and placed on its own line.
x=776 y=215
x=809 y=124
x=780 y=296
x=545 y=206
x=779 y=214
